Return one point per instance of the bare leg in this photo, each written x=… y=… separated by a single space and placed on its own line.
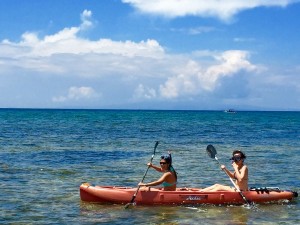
x=218 y=187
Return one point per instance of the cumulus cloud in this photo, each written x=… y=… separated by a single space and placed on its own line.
x=142 y=92
x=172 y=76
x=123 y=70
x=223 y=10
x=86 y=22
x=66 y=52
x=77 y=93
x=44 y=53
x=196 y=79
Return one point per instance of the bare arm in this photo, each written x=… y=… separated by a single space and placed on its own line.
x=242 y=174
x=230 y=174
x=157 y=182
x=155 y=167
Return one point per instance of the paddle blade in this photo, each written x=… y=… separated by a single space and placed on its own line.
x=155 y=146
x=211 y=151
x=129 y=205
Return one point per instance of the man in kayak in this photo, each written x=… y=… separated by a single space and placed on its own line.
x=240 y=174
x=169 y=177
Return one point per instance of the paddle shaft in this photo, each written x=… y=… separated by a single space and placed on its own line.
x=234 y=184
x=138 y=188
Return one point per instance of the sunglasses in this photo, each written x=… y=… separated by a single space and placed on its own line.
x=162 y=163
x=236 y=158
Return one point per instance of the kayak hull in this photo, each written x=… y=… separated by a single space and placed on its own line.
x=182 y=196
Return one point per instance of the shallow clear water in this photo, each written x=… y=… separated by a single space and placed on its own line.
x=46 y=154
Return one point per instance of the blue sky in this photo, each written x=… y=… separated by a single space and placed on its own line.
x=158 y=54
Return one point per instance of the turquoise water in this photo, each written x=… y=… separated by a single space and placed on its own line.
x=46 y=154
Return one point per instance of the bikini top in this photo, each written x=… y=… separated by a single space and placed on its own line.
x=166 y=184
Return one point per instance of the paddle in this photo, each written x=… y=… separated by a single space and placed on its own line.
x=212 y=153
x=137 y=190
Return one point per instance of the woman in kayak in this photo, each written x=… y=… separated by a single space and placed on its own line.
x=168 y=179
x=240 y=174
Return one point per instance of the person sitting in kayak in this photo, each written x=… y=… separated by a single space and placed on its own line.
x=240 y=174
x=168 y=179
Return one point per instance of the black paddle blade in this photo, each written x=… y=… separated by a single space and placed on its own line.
x=156 y=143
x=211 y=151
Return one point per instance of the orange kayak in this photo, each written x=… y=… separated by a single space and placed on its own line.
x=182 y=196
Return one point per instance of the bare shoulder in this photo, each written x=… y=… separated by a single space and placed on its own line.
x=245 y=168
x=167 y=174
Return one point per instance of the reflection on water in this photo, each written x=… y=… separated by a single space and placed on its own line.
x=201 y=214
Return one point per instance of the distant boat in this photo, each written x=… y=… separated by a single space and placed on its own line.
x=230 y=111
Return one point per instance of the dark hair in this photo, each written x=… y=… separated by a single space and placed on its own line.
x=243 y=156
x=168 y=159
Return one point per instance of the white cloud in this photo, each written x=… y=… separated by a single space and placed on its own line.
x=230 y=63
x=213 y=8
x=67 y=41
x=66 y=52
x=182 y=83
x=142 y=92
x=194 y=30
x=86 y=22
x=77 y=93
x=136 y=63
x=196 y=79
x=120 y=72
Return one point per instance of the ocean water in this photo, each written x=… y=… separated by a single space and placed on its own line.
x=46 y=154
